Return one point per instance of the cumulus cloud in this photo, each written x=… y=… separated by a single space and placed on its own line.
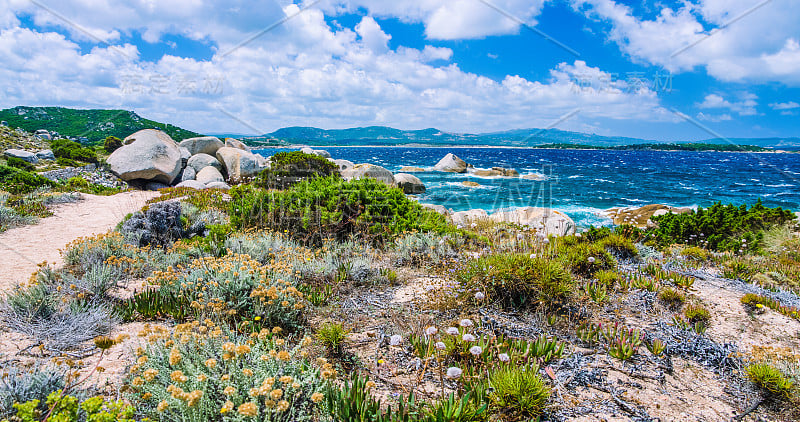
x=785 y=106
x=451 y=19
x=735 y=40
x=745 y=107
x=305 y=73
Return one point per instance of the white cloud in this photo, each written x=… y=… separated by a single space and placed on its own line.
x=732 y=39
x=745 y=107
x=451 y=19
x=372 y=35
x=784 y=106
x=307 y=73
x=713 y=117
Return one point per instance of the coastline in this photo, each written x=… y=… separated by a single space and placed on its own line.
x=298 y=146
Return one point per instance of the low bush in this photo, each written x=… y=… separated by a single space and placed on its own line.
x=429 y=249
x=159 y=225
x=583 y=257
x=332 y=208
x=70 y=150
x=332 y=336
x=204 y=372
x=771 y=380
x=519 y=393
x=111 y=144
x=22 y=385
x=672 y=298
x=695 y=253
x=69 y=408
x=20 y=164
x=619 y=245
x=697 y=313
x=516 y=280
x=235 y=288
x=720 y=227
x=16 y=181
x=289 y=168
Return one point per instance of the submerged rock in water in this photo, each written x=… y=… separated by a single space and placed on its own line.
x=451 y=163
x=495 y=172
x=410 y=169
x=470 y=184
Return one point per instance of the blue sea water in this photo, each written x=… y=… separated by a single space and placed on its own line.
x=582 y=183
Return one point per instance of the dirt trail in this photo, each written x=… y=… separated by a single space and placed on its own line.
x=23 y=248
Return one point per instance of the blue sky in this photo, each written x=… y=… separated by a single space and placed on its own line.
x=668 y=70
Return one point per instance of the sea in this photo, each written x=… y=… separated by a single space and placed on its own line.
x=584 y=183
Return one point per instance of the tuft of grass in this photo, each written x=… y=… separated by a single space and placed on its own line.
x=516 y=280
x=697 y=314
x=672 y=298
x=519 y=392
x=771 y=380
x=20 y=385
x=694 y=253
x=332 y=335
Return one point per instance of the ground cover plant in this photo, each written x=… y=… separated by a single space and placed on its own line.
x=328 y=300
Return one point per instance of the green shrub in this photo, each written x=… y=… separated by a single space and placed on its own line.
x=606 y=277
x=69 y=408
x=23 y=385
x=697 y=313
x=111 y=144
x=619 y=245
x=672 y=298
x=235 y=288
x=737 y=269
x=695 y=253
x=328 y=207
x=289 y=168
x=721 y=227
x=63 y=148
x=20 y=164
x=770 y=379
x=519 y=392
x=204 y=372
x=16 y=181
x=332 y=336
x=583 y=257
x=516 y=280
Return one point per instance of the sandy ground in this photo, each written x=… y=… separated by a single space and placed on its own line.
x=23 y=248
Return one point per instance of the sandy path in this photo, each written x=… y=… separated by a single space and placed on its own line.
x=23 y=248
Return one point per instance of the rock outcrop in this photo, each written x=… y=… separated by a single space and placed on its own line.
x=361 y=171
x=640 y=216
x=470 y=184
x=409 y=184
x=235 y=143
x=240 y=164
x=438 y=208
x=203 y=160
x=496 y=172
x=321 y=152
x=410 y=169
x=451 y=163
x=22 y=155
x=209 y=175
x=202 y=145
x=149 y=155
x=45 y=154
x=545 y=220
x=193 y=184
x=342 y=164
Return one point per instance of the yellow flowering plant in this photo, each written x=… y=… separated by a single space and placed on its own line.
x=186 y=377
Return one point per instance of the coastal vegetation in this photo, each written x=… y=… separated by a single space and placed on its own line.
x=299 y=295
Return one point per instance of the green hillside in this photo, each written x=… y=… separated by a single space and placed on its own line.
x=92 y=124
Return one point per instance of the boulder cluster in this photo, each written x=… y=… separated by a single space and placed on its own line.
x=31 y=157
x=152 y=158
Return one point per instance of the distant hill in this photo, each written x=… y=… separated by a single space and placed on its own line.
x=381 y=135
x=95 y=125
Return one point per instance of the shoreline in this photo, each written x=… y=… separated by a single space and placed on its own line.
x=298 y=146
